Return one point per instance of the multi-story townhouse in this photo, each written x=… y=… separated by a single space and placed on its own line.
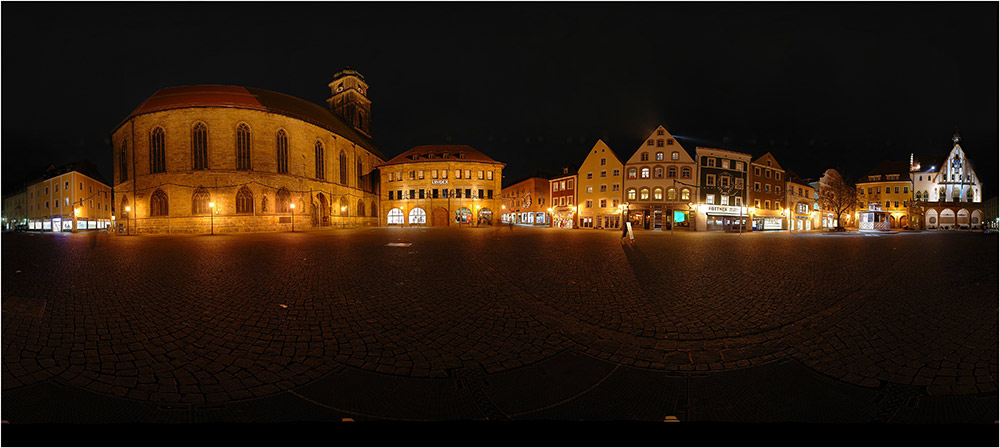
x=888 y=184
x=15 y=209
x=599 y=190
x=722 y=193
x=767 y=198
x=440 y=185
x=526 y=202
x=660 y=182
x=69 y=198
x=562 y=199
x=803 y=204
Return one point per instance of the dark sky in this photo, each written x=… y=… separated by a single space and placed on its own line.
x=532 y=85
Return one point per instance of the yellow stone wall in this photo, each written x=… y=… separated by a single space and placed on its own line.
x=389 y=174
x=222 y=180
x=592 y=166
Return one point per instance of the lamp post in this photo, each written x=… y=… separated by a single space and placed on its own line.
x=211 y=216
x=342 y=210
x=76 y=214
x=292 y=205
x=128 y=221
x=477 y=215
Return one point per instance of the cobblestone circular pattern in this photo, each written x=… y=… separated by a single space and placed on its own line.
x=230 y=317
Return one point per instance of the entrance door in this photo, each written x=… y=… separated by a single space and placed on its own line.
x=439 y=217
x=657 y=219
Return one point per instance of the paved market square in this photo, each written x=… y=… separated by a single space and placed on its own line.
x=500 y=324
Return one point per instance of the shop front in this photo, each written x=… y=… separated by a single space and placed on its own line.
x=563 y=217
x=768 y=223
x=725 y=218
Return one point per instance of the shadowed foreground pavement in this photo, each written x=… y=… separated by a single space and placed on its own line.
x=497 y=324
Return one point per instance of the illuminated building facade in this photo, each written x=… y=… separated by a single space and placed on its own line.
x=949 y=193
x=660 y=183
x=526 y=202
x=888 y=184
x=441 y=185
x=722 y=192
x=216 y=158
x=15 y=210
x=766 y=194
x=599 y=189
x=562 y=197
x=803 y=204
x=67 y=199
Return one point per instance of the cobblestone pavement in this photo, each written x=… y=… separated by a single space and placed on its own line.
x=228 y=318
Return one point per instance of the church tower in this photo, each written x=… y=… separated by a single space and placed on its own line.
x=349 y=100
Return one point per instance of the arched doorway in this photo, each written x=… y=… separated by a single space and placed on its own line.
x=977 y=219
x=485 y=217
x=323 y=210
x=903 y=222
x=395 y=217
x=946 y=219
x=892 y=221
x=439 y=217
x=418 y=216
x=930 y=221
x=463 y=216
x=963 y=219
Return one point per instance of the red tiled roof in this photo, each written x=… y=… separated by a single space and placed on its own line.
x=199 y=96
x=254 y=99
x=454 y=152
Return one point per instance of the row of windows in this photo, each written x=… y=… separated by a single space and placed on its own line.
x=721 y=163
x=659 y=142
x=767 y=188
x=767 y=172
x=199 y=153
x=66 y=188
x=443 y=174
x=443 y=193
x=614 y=187
x=644 y=194
x=657 y=172
x=878 y=190
x=589 y=203
x=562 y=185
x=201 y=203
x=723 y=200
x=724 y=181
x=616 y=173
x=90 y=204
x=767 y=204
x=659 y=155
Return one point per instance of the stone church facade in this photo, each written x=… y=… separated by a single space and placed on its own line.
x=211 y=158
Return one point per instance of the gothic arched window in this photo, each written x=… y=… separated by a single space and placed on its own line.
x=157 y=158
x=361 y=208
x=320 y=162
x=360 y=170
x=123 y=162
x=199 y=146
x=343 y=167
x=243 y=147
x=158 y=203
x=345 y=208
x=199 y=202
x=244 y=201
x=282 y=150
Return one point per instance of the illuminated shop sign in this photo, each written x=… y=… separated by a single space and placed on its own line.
x=723 y=209
x=441 y=181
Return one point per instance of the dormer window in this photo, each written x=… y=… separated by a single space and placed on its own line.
x=444 y=155
x=461 y=155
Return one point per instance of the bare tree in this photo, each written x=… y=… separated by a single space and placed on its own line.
x=838 y=194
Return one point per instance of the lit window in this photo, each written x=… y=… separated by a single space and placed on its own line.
x=630 y=194
x=631 y=173
x=685 y=194
x=644 y=173
x=644 y=194
x=659 y=156
x=657 y=194
x=724 y=200
x=710 y=199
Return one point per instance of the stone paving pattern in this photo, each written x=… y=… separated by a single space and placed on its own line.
x=219 y=319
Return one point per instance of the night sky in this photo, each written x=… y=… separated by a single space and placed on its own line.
x=532 y=85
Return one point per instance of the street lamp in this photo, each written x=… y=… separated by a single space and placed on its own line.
x=342 y=210
x=211 y=215
x=128 y=226
x=477 y=215
x=76 y=214
x=292 y=205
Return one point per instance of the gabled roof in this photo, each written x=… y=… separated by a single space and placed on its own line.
x=567 y=171
x=795 y=179
x=437 y=153
x=887 y=167
x=762 y=160
x=81 y=166
x=644 y=146
x=254 y=99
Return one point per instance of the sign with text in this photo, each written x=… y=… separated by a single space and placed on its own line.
x=442 y=181
x=723 y=209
